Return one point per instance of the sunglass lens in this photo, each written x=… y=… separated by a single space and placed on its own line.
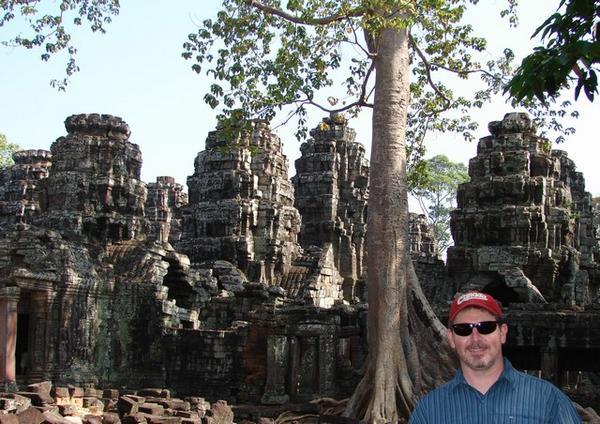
x=486 y=327
x=462 y=329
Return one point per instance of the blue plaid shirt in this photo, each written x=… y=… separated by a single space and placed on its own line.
x=515 y=398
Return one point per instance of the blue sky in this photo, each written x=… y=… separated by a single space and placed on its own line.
x=135 y=71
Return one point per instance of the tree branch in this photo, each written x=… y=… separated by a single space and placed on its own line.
x=432 y=84
x=466 y=71
x=297 y=20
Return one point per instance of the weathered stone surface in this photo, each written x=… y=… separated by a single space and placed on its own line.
x=94 y=188
x=19 y=194
x=523 y=227
x=31 y=416
x=127 y=405
x=67 y=409
x=38 y=399
x=220 y=413
x=9 y=419
x=54 y=418
x=92 y=419
x=110 y=394
x=164 y=205
x=151 y=408
x=110 y=418
x=241 y=204
x=13 y=402
x=331 y=192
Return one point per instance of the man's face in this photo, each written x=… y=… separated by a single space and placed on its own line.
x=477 y=351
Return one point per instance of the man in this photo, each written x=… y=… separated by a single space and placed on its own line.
x=486 y=388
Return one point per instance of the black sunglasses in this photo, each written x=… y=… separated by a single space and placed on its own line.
x=483 y=327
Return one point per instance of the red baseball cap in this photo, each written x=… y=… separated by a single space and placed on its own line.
x=474 y=299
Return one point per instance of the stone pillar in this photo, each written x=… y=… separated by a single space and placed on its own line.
x=308 y=378
x=277 y=364
x=327 y=364
x=9 y=298
x=551 y=365
x=40 y=348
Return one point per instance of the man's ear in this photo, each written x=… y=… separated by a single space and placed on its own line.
x=450 y=336
x=503 y=332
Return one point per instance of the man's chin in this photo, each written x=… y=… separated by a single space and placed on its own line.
x=478 y=362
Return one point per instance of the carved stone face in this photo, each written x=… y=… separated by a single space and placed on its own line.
x=478 y=352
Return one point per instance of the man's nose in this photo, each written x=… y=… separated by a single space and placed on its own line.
x=475 y=334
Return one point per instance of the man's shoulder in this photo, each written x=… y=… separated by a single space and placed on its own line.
x=442 y=391
x=535 y=384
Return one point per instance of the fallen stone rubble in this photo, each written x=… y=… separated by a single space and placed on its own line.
x=41 y=403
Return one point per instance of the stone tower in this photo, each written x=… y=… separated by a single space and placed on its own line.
x=164 y=204
x=241 y=204
x=331 y=187
x=19 y=200
x=522 y=219
x=94 y=188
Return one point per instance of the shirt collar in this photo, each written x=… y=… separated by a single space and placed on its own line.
x=509 y=374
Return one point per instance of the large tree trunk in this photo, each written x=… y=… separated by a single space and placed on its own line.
x=408 y=353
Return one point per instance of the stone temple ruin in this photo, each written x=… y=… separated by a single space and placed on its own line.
x=250 y=287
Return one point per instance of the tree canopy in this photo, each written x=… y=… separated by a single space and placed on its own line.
x=570 y=56
x=6 y=151
x=435 y=191
x=50 y=26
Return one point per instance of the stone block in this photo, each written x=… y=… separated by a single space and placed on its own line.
x=93 y=403
x=91 y=392
x=110 y=405
x=137 y=418
x=175 y=404
x=76 y=392
x=191 y=421
x=31 y=416
x=20 y=403
x=67 y=409
x=186 y=414
x=111 y=394
x=73 y=419
x=7 y=405
x=50 y=408
x=161 y=419
x=38 y=399
x=43 y=387
x=61 y=392
x=127 y=406
x=150 y=392
x=9 y=419
x=152 y=408
x=136 y=398
x=92 y=419
x=111 y=418
x=220 y=412
x=54 y=418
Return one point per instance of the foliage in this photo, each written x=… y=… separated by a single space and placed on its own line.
x=435 y=191
x=51 y=24
x=6 y=151
x=323 y=57
x=571 y=54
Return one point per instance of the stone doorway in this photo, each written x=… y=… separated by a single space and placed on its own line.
x=22 y=348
